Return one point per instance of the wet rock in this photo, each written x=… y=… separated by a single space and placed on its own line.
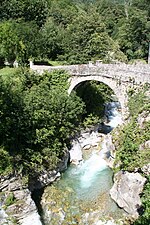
x=104 y=128
x=76 y=152
x=126 y=190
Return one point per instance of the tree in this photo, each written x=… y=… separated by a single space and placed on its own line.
x=17 y=40
x=11 y=9
x=36 y=10
x=37 y=119
x=63 y=12
x=86 y=39
x=133 y=35
x=50 y=40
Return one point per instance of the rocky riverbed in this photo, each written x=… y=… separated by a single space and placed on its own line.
x=17 y=206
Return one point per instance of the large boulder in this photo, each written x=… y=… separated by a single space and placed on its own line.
x=126 y=191
x=43 y=179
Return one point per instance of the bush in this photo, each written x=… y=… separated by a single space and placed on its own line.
x=10 y=199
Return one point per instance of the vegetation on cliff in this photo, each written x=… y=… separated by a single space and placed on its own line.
x=132 y=143
x=37 y=118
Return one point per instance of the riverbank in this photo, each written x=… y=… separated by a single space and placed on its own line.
x=90 y=142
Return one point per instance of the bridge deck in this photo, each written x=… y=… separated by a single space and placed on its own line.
x=139 y=73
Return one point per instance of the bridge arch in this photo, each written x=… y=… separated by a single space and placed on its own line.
x=118 y=88
x=119 y=77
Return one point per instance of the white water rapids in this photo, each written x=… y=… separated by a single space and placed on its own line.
x=86 y=184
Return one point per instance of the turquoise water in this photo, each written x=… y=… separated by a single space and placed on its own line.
x=88 y=179
x=81 y=196
x=82 y=190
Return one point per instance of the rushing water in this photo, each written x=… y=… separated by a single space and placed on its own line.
x=81 y=196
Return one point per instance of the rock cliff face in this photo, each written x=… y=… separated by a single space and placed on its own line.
x=126 y=191
x=16 y=204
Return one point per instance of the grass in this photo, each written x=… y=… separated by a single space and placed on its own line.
x=7 y=71
x=55 y=63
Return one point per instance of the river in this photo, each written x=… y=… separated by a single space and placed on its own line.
x=81 y=196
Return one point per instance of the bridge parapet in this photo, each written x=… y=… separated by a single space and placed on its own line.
x=139 y=73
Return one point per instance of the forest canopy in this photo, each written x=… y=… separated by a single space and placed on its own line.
x=74 y=31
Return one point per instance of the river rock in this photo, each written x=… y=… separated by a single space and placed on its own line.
x=146 y=169
x=76 y=153
x=87 y=147
x=108 y=149
x=142 y=118
x=90 y=139
x=125 y=191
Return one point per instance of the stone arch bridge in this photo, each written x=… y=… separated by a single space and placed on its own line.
x=119 y=77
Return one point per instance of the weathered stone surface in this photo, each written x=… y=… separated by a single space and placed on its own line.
x=109 y=150
x=21 y=208
x=126 y=189
x=62 y=165
x=4 y=219
x=43 y=179
x=145 y=145
x=142 y=118
x=146 y=169
x=31 y=219
x=11 y=184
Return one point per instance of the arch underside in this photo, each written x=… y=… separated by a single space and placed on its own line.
x=119 y=89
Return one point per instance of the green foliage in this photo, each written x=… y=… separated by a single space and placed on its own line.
x=132 y=135
x=74 y=31
x=36 y=10
x=38 y=118
x=10 y=199
x=5 y=162
x=131 y=152
x=50 y=40
x=130 y=138
x=90 y=120
x=17 y=40
x=94 y=94
x=140 y=97
x=133 y=34
x=63 y=12
x=145 y=217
